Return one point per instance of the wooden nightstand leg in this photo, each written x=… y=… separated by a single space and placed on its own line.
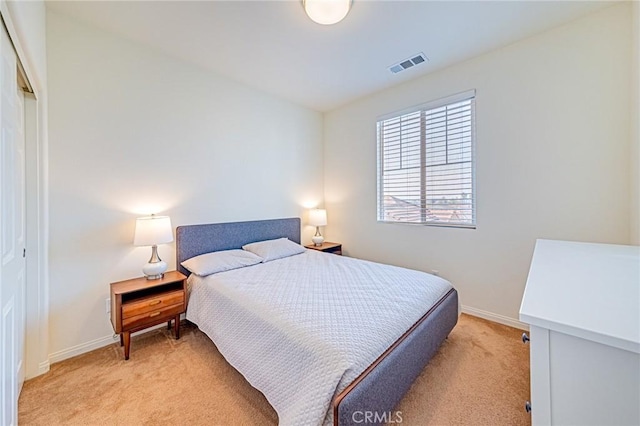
x=177 y=326
x=127 y=343
x=121 y=341
x=169 y=325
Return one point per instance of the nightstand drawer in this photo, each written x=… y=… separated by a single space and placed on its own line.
x=149 y=304
x=158 y=315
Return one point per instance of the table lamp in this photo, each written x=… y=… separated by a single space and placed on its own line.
x=151 y=231
x=318 y=218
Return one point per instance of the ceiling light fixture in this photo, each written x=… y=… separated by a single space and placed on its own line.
x=327 y=12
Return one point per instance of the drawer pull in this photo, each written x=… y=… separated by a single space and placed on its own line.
x=525 y=338
x=155 y=302
x=154 y=314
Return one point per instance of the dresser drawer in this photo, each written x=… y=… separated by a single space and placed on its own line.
x=148 y=318
x=151 y=304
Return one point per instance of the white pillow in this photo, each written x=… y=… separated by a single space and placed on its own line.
x=219 y=261
x=274 y=249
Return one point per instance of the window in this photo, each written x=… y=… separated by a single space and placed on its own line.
x=426 y=164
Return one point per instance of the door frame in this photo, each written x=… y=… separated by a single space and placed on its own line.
x=37 y=219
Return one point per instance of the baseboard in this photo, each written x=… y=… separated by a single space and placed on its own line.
x=500 y=319
x=81 y=348
x=43 y=367
x=92 y=345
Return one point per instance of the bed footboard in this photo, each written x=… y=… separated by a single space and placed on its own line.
x=377 y=391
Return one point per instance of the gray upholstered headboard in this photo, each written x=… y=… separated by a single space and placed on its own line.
x=193 y=240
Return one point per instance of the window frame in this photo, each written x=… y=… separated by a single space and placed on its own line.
x=431 y=105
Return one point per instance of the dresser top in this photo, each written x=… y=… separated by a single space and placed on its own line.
x=587 y=290
x=141 y=283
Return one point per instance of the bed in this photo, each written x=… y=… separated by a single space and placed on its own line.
x=319 y=373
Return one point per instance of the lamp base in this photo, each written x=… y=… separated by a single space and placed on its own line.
x=154 y=277
x=155 y=270
x=317 y=240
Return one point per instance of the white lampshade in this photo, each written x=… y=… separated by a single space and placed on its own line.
x=153 y=230
x=327 y=12
x=318 y=217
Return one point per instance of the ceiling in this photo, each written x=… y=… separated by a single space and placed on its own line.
x=274 y=47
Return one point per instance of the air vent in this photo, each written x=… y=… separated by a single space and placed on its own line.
x=408 y=63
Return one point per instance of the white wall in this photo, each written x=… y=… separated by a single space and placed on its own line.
x=552 y=160
x=134 y=132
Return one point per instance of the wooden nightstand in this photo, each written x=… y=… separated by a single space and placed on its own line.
x=140 y=303
x=327 y=247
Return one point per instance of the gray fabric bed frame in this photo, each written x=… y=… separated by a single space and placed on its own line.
x=383 y=384
x=193 y=240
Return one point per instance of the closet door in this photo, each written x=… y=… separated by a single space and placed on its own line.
x=12 y=234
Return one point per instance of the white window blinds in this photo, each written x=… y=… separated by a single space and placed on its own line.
x=426 y=164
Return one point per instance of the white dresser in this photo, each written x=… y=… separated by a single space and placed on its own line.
x=582 y=302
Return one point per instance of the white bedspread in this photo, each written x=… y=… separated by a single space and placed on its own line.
x=300 y=329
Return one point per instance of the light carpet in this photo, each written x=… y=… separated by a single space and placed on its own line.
x=480 y=376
